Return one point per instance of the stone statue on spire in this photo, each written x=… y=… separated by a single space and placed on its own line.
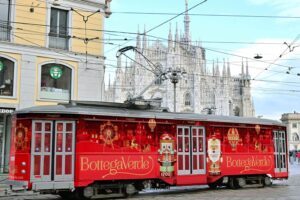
x=187 y=23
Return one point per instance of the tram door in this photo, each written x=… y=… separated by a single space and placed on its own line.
x=191 y=150
x=280 y=151
x=52 y=154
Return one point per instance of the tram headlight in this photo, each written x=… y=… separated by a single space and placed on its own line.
x=23 y=171
x=23 y=163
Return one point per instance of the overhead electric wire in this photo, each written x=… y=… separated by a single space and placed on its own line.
x=283 y=53
x=169 y=13
x=191 y=57
x=159 y=25
x=210 y=15
x=133 y=33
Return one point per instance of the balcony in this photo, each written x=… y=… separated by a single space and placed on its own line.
x=59 y=41
x=5 y=32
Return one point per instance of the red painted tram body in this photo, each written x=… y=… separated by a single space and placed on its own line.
x=99 y=150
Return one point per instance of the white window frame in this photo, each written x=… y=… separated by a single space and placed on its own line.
x=70 y=24
x=15 y=65
x=40 y=79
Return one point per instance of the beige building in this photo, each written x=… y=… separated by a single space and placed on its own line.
x=50 y=52
x=292 y=122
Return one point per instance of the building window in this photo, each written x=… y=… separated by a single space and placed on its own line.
x=6 y=77
x=187 y=99
x=56 y=81
x=58 y=36
x=236 y=111
x=294 y=125
x=5 y=8
x=158 y=77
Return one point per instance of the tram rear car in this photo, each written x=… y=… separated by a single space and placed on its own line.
x=99 y=151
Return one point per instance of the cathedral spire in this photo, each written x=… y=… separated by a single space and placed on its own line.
x=138 y=39
x=224 y=68
x=228 y=69
x=247 y=69
x=144 y=39
x=176 y=36
x=187 y=22
x=217 y=70
x=243 y=71
x=170 y=38
x=119 y=62
x=213 y=68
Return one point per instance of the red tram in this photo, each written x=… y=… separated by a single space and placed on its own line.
x=96 y=150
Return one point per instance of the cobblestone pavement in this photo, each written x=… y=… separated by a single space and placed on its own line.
x=280 y=190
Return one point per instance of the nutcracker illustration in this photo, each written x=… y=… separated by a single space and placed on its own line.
x=214 y=155
x=21 y=137
x=166 y=155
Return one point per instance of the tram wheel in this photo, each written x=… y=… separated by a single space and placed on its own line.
x=213 y=185
x=241 y=182
x=68 y=195
x=233 y=184
x=267 y=181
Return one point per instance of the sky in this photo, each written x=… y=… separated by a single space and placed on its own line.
x=233 y=30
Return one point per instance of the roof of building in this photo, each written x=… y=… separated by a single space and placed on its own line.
x=290 y=116
x=136 y=111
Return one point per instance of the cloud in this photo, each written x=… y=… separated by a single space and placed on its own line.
x=269 y=49
x=273 y=90
x=283 y=7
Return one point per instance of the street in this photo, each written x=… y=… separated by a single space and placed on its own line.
x=281 y=189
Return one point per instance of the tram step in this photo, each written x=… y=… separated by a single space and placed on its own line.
x=253 y=185
x=105 y=196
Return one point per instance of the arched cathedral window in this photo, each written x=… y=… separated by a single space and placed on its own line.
x=158 y=71
x=236 y=111
x=296 y=137
x=187 y=99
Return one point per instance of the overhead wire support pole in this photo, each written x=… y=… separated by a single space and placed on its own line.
x=86 y=39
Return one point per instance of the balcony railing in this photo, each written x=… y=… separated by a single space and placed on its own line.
x=58 y=41
x=4 y=32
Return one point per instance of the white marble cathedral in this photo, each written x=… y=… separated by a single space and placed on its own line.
x=200 y=91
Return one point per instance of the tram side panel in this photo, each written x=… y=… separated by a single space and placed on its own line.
x=235 y=151
x=19 y=167
x=109 y=150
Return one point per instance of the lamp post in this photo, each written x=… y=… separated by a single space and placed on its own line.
x=175 y=75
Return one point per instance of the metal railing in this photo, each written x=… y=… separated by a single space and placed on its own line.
x=58 y=41
x=5 y=32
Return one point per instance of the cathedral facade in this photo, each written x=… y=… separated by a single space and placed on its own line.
x=199 y=89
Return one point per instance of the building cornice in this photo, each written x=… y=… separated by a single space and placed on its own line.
x=89 y=5
x=47 y=52
x=290 y=116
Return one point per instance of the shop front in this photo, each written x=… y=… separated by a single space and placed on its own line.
x=5 y=129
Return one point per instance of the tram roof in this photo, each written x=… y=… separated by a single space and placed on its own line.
x=136 y=111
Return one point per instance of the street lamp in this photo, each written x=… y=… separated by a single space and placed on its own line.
x=258 y=56
x=175 y=75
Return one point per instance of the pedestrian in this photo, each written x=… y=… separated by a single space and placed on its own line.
x=291 y=157
x=294 y=156
x=298 y=157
